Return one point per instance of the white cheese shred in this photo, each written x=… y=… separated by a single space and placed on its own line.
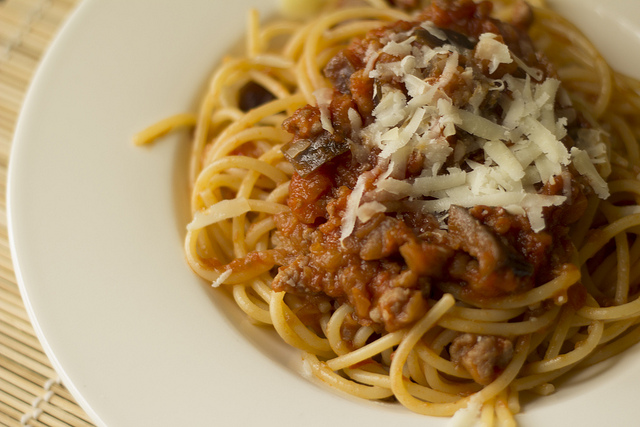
x=351 y=211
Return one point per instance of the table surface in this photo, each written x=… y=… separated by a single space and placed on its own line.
x=30 y=391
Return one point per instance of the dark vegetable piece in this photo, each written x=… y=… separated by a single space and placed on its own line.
x=307 y=155
x=252 y=95
x=453 y=37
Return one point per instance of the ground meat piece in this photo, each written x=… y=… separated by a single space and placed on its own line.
x=501 y=269
x=306 y=200
x=400 y=306
x=484 y=357
x=338 y=70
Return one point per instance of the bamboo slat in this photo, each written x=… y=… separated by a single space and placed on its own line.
x=30 y=391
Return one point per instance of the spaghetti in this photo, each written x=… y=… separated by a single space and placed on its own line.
x=412 y=198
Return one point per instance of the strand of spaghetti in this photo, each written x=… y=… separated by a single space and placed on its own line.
x=254 y=44
x=206 y=197
x=304 y=83
x=362 y=336
x=611 y=331
x=239 y=226
x=504 y=417
x=295 y=45
x=535 y=344
x=163 y=127
x=316 y=34
x=238 y=229
x=575 y=73
x=259 y=230
x=253 y=116
x=487 y=413
x=564 y=28
x=414 y=369
x=231 y=162
x=563 y=281
x=432 y=359
x=620 y=312
x=581 y=350
x=440 y=383
x=292 y=331
x=277 y=29
x=254 y=312
x=333 y=332
x=625 y=185
x=589 y=283
x=485 y=315
x=614 y=330
x=368 y=351
x=544 y=389
x=279 y=194
x=200 y=267
x=324 y=373
x=628 y=138
x=402 y=352
x=529 y=382
x=226 y=209
x=613 y=348
x=380 y=4
x=383 y=381
x=622 y=281
x=604 y=235
x=206 y=107
x=276 y=87
x=348 y=31
x=223 y=147
x=262 y=288
x=560 y=332
x=225 y=115
x=513 y=400
x=210 y=248
x=605 y=272
x=503 y=329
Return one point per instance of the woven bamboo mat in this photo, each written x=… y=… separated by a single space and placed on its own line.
x=30 y=391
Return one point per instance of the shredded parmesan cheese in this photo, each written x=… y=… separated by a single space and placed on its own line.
x=492 y=50
x=522 y=150
x=323 y=99
x=350 y=215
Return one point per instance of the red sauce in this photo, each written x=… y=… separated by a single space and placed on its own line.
x=390 y=266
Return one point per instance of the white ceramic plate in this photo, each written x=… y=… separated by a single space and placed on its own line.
x=97 y=225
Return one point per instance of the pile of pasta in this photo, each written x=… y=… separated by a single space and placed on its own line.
x=235 y=196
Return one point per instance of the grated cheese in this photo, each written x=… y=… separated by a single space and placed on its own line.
x=522 y=149
x=492 y=50
x=585 y=167
x=505 y=158
x=367 y=210
x=350 y=215
x=323 y=100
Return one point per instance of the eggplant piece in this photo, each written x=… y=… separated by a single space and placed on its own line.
x=253 y=95
x=453 y=38
x=307 y=155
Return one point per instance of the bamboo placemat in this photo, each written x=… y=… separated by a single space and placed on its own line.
x=30 y=391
